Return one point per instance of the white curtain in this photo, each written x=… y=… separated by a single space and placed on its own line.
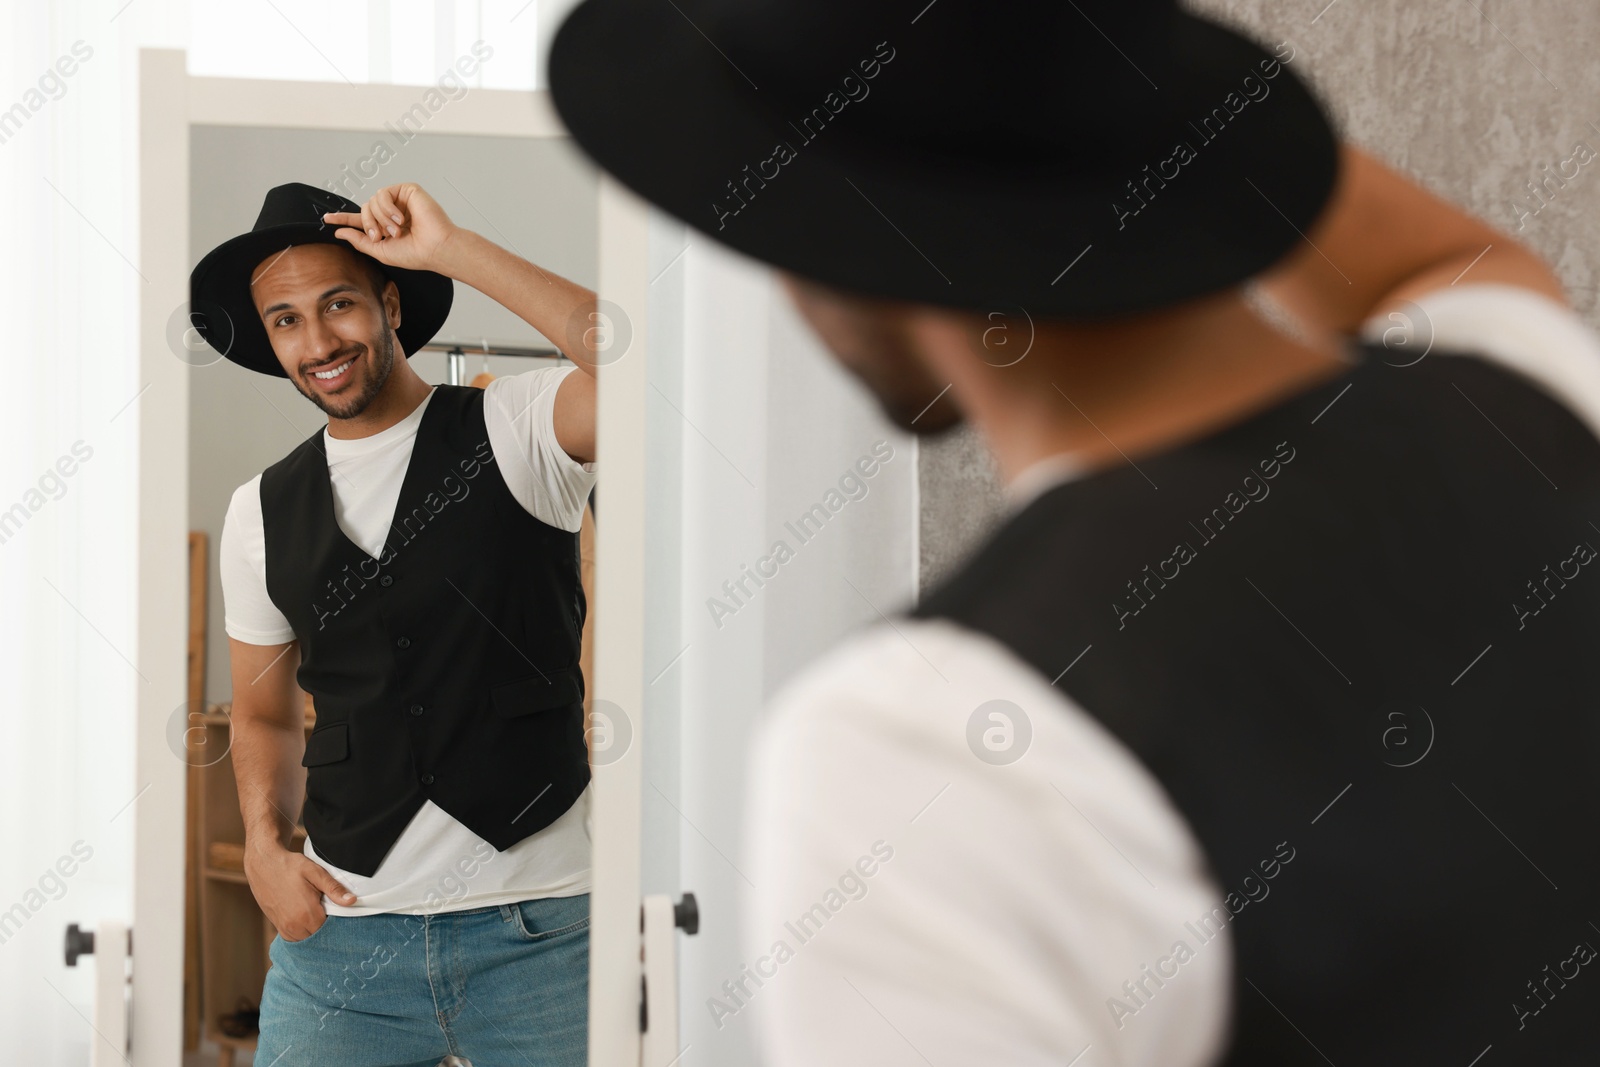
x=69 y=421
x=69 y=418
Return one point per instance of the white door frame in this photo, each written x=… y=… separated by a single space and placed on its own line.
x=170 y=101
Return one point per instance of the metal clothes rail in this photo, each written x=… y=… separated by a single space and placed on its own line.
x=456 y=364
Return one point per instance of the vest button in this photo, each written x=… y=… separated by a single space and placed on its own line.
x=427 y=779
x=387 y=579
x=416 y=709
x=403 y=642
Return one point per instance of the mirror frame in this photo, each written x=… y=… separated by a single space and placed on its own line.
x=170 y=102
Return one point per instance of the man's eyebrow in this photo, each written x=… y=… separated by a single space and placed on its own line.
x=347 y=287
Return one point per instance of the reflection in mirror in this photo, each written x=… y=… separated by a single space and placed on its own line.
x=392 y=461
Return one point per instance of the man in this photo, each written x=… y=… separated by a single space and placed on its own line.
x=1225 y=747
x=414 y=567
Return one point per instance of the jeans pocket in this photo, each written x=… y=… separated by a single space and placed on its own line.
x=547 y=918
x=327 y=920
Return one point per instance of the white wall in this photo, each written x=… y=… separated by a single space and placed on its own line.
x=763 y=424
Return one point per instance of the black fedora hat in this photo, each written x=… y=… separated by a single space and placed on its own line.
x=1086 y=159
x=220 y=305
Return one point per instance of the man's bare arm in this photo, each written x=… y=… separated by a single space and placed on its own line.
x=1384 y=239
x=574 y=416
x=268 y=739
x=268 y=722
x=564 y=311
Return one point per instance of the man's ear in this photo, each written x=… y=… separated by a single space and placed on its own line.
x=795 y=288
x=391 y=304
x=950 y=343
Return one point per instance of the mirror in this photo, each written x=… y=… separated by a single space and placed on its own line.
x=496 y=701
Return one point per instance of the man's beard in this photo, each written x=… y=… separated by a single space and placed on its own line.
x=352 y=402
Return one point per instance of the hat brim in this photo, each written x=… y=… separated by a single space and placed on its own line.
x=655 y=104
x=223 y=312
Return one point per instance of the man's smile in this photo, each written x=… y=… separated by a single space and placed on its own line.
x=331 y=377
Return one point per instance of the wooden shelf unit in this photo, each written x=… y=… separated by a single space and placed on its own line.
x=234 y=933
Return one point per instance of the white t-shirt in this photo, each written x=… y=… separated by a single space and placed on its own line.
x=437 y=864
x=916 y=904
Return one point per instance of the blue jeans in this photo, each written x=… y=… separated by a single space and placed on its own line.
x=501 y=986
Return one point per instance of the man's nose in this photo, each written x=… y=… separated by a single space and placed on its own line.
x=323 y=339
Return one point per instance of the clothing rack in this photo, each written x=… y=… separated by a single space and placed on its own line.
x=456 y=364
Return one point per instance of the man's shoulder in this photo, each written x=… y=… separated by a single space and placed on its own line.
x=516 y=392
x=861 y=662
x=246 y=497
x=903 y=677
x=1526 y=332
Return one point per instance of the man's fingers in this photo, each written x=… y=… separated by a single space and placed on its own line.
x=376 y=217
x=357 y=240
x=326 y=882
x=369 y=221
x=389 y=213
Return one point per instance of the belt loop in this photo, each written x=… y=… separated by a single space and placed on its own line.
x=505 y=913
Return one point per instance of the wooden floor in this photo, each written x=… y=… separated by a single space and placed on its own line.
x=205 y=1056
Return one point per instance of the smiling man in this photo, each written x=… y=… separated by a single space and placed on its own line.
x=1306 y=800
x=414 y=567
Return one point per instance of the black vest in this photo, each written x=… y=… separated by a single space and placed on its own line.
x=1358 y=629
x=446 y=669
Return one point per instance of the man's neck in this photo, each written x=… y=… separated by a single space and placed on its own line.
x=399 y=397
x=1109 y=398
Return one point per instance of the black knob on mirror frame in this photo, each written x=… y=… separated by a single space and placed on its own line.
x=79 y=943
x=686 y=915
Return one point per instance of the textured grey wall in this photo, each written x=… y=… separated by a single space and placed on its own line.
x=1471 y=98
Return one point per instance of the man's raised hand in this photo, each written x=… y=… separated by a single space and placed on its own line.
x=401 y=225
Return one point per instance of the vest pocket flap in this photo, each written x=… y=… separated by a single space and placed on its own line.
x=327 y=744
x=563 y=688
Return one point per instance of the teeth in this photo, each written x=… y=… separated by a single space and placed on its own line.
x=335 y=372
